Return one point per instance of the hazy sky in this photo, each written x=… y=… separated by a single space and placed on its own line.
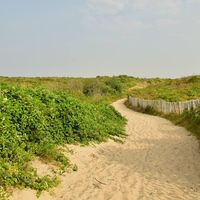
x=145 y=38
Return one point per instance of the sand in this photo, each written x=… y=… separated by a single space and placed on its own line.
x=158 y=161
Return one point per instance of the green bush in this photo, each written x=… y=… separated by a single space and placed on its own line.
x=94 y=87
x=115 y=84
x=98 y=87
x=36 y=121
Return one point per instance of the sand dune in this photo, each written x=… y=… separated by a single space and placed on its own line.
x=157 y=161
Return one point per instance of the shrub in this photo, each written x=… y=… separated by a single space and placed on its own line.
x=115 y=84
x=36 y=121
x=93 y=87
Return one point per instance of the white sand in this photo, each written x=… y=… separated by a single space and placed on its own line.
x=158 y=161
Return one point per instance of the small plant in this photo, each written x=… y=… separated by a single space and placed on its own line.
x=75 y=168
x=3 y=193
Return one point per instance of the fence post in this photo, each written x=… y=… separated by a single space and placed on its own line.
x=164 y=106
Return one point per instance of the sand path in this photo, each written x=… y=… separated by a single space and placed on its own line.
x=157 y=161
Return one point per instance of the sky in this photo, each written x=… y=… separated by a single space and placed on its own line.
x=143 y=38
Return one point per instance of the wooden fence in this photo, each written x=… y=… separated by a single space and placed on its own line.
x=164 y=106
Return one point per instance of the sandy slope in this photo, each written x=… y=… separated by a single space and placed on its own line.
x=157 y=161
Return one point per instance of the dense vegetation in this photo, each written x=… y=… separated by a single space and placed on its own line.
x=107 y=89
x=35 y=121
x=99 y=89
x=170 y=89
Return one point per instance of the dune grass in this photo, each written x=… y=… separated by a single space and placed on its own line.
x=99 y=89
x=186 y=88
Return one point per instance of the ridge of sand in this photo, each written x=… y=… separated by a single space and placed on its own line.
x=158 y=161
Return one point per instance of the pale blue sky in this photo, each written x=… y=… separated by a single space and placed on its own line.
x=146 y=38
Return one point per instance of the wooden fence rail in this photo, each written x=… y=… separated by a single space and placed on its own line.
x=164 y=106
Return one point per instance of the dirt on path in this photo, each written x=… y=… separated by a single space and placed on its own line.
x=158 y=161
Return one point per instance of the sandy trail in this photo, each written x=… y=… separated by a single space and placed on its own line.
x=158 y=161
